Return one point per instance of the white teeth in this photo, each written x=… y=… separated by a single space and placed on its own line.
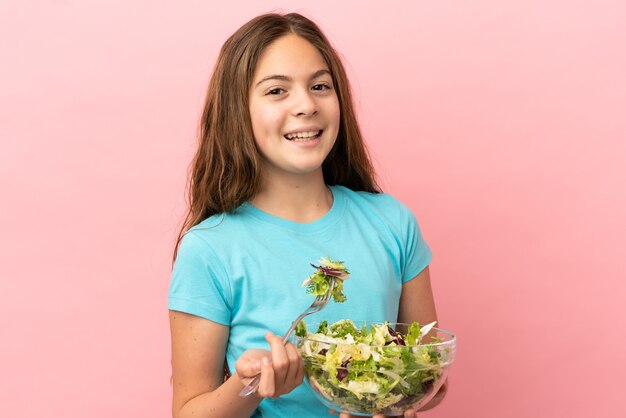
x=302 y=135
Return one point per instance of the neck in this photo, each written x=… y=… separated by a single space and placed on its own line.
x=298 y=198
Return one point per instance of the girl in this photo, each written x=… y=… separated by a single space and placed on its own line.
x=281 y=177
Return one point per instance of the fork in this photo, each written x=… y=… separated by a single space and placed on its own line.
x=318 y=304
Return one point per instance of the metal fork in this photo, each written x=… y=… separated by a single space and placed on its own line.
x=318 y=304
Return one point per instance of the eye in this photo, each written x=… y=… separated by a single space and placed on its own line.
x=275 y=92
x=321 y=87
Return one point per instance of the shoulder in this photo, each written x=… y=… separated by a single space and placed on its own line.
x=215 y=226
x=385 y=217
x=381 y=205
x=199 y=258
x=206 y=239
x=382 y=200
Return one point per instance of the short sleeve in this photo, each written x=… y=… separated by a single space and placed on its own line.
x=417 y=253
x=199 y=283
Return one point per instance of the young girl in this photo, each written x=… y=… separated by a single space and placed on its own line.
x=281 y=178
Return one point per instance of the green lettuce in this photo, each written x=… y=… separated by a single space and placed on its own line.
x=318 y=283
x=371 y=368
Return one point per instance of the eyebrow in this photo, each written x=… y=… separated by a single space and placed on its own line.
x=286 y=78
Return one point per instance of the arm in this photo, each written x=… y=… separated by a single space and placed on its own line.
x=198 y=347
x=419 y=289
x=198 y=351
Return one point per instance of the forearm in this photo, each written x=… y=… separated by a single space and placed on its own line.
x=222 y=402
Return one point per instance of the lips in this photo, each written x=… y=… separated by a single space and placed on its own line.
x=303 y=135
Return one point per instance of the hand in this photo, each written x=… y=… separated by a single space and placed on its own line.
x=409 y=413
x=281 y=368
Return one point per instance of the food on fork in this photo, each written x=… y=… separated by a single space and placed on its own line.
x=317 y=284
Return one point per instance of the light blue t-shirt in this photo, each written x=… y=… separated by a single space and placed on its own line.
x=245 y=269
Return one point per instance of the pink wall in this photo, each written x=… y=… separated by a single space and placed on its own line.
x=501 y=124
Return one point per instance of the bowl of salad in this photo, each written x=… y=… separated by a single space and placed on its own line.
x=369 y=368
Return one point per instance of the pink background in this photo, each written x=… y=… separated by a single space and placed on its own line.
x=501 y=124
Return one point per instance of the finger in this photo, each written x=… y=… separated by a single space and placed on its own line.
x=300 y=373
x=267 y=387
x=410 y=413
x=252 y=368
x=280 y=361
x=296 y=370
x=247 y=367
x=249 y=364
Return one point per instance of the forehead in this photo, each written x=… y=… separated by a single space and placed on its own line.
x=289 y=55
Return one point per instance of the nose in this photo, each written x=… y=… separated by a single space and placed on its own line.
x=304 y=104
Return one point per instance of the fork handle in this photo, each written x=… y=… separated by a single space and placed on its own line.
x=251 y=387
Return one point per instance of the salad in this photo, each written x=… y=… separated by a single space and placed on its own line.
x=317 y=284
x=372 y=368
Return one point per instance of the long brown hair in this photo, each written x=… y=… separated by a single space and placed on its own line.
x=226 y=169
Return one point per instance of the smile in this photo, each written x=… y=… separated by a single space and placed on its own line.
x=303 y=136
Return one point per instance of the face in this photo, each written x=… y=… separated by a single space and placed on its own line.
x=293 y=107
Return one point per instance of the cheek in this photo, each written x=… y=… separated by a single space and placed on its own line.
x=332 y=108
x=265 y=124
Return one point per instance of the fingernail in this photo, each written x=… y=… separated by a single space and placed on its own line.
x=257 y=365
x=267 y=361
